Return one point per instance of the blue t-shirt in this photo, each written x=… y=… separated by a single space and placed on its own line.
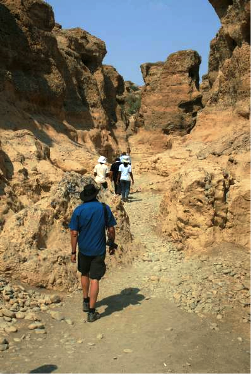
x=89 y=220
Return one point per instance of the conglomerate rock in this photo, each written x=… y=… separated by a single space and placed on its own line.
x=171 y=97
x=35 y=241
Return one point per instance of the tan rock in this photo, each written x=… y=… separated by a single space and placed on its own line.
x=171 y=97
x=8 y=313
x=20 y=315
x=36 y=325
x=10 y=329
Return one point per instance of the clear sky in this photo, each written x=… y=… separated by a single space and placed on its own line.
x=139 y=31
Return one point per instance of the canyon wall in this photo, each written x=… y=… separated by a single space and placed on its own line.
x=208 y=188
x=58 y=112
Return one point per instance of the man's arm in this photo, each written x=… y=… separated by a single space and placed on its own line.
x=110 y=175
x=111 y=237
x=74 y=241
x=118 y=178
x=131 y=174
x=111 y=233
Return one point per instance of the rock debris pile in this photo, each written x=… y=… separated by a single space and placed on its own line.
x=23 y=310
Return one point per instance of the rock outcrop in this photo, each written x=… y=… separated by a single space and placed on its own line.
x=208 y=194
x=171 y=98
x=58 y=112
x=55 y=79
x=34 y=245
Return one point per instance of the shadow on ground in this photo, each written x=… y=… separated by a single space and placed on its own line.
x=133 y=199
x=115 y=303
x=44 y=369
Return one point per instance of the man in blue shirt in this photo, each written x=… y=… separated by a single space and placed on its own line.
x=88 y=224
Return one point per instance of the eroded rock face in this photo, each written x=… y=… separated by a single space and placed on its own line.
x=204 y=205
x=53 y=78
x=34 y=245
x=229 y=52
x=171 y=97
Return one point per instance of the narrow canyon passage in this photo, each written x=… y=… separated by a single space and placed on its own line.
x=148 y=320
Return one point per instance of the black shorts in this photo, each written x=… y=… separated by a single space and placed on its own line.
x=94 y=266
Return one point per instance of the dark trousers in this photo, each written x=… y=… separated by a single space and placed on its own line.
x=125 y=189
x=117 y=188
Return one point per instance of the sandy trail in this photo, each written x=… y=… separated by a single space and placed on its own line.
x=141 y=329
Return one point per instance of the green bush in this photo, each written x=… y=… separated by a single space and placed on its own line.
x=133 y=104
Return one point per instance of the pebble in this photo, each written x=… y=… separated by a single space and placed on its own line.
x=169 y=329
x=128 y=350
x=20 y=315
x=11 y=329
x=40 y=331
x=55 y=299
x=100 y=336
x=4 y=347
x=219 y=316
x=57 y=316
x=8 y=313
x=154 y=278
x=32 y=317
x=91 y=344
x=240 y=339
x=36 y=325
x=69 y=321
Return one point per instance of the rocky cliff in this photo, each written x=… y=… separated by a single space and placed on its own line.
x=208 y=189
x=58 y=112
x=171 y=97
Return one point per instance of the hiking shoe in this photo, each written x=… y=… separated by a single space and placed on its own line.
x=91 y=317
x=86 y=306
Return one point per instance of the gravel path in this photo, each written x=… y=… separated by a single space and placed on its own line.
x=162 y=313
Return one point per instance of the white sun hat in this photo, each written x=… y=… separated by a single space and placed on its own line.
x=102 y=160
x=126 y=159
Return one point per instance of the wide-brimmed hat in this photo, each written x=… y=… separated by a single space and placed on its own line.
x=89 y=193
x=102 y=159
x=125 y=159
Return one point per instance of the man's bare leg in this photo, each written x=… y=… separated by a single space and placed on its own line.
x=85 y=282
x=94 y=290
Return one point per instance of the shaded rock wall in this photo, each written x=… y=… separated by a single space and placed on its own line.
x=58 y=112
x=56 y=77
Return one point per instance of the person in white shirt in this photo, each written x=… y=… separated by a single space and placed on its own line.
x=127 y=155
x=125 y=177
x=101 y=172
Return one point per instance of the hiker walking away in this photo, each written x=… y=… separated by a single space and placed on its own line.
x=88 y=223
x=114 y=175
x=128 y=157
x=101 y=172
x=125 y=177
